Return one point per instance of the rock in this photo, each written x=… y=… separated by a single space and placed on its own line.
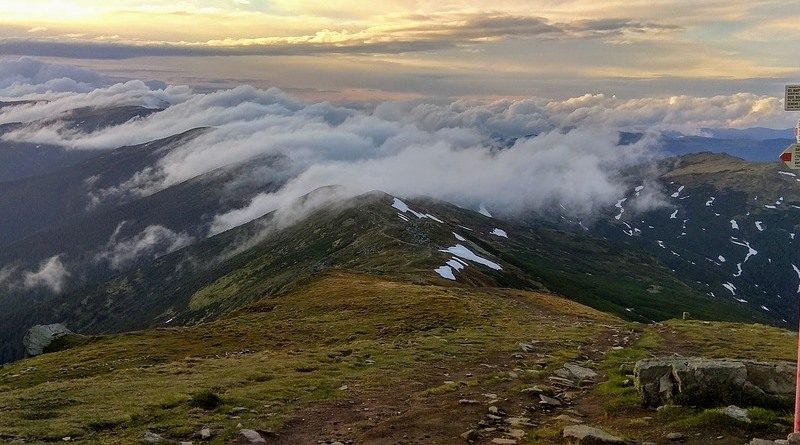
x=675 y=436
x=468 y=402
x=516 y=433
x=567 y=418
x=40 y=336
x=579 y=372
x=712 y=382
x=793 y=438
x=504 y=441
x=549 y=401
x=527 y=347
x=587 y=435
x=737 y=413
x=150 y=437
x=562 y=382
x=761 y=442
x=519 y=421
x=471 y=435
x=536 y=389
x=250 y=437
x=205 y=434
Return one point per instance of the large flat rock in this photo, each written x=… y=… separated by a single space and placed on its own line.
x=714 y=382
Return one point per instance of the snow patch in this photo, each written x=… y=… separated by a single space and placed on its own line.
x=459 y=237
x=674 y=214
x=676 y=194
x=462 y=252
x=445 y=272
x=730 y=287
x=499 y=232
x=734 y=225
x=404 y=208
x=483 y=211
x=759 y=226
x=710 y=201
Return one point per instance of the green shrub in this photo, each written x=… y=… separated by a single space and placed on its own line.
x=205 y=399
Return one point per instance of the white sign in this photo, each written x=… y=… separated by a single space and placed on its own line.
x=792 y=102
x=791 y=156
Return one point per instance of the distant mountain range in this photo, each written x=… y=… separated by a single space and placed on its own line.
x=77 y=250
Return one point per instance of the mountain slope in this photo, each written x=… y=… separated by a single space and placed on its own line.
x=729 y=225
x=370 y=235
x=351 y=357
x=35 y=203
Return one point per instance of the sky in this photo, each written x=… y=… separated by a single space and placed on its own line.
x=405 y=49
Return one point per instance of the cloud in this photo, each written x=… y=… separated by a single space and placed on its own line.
x=516 y=156
x=412 y=33
x=52 y=274
x=25 y=75
x=153 y=242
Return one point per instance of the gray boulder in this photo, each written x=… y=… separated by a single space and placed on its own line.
x=714 y=382
x=247 y=436
x=40 y=336
x=587 y=435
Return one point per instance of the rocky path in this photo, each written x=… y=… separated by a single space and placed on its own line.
x=502 y=399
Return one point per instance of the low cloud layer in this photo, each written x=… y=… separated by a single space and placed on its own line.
x=51 y=275
x=514 y=156
x=152 y=242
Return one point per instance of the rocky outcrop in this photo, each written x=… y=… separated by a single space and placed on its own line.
x=39 y=337
x=710 y=382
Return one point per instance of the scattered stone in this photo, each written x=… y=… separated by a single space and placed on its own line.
x=250 y=437
x=519 y=421
x=568 y=418
x=549 y=401
x=40 y=336
x=536 y=389
x=527 y=347
x=579 y=372
x=761 y=442
x=675 y=436
x=713 y=382
x=737 y=413
x=471 y=435
x=516 y=433
x=151 y=437
x=504 y=441
x=584 y=434
x=562 y=382
x=468 y=402
x=205 y=434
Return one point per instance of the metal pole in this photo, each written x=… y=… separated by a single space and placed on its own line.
x=797 y=376
x=797 y=384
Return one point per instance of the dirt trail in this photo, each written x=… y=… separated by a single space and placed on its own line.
x=403 y=416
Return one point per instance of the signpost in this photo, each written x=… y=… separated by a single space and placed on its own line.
x=791 y=157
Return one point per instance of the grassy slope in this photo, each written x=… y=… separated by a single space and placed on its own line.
x=279 y=355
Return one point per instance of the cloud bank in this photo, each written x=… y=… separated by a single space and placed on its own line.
x=411 y=33
x=514 y=156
